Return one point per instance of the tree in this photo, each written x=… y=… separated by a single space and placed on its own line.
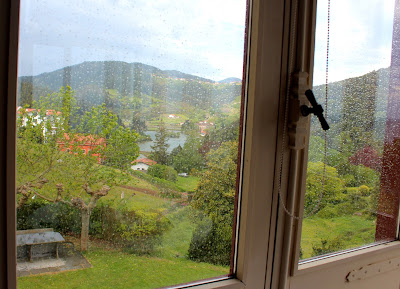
x=159 y=151
x=26 y=93
x=47 y=170
x=138 y=124
x=367 y=157
x=163 y=172
x=214 y=200
x=333 y=187
x=188 y=157
x=121 y=148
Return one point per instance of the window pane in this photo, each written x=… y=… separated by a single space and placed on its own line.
x=128 y=141
x=360 y=202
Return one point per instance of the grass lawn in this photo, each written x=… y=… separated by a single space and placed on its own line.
x=118 y=270
x=113 y=268
x=187 y=183
x=135 y=200
x=176 y=241
x=352 y=231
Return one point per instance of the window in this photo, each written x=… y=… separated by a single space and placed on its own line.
x=358 y=206
x=268 y=239
x=129 y=88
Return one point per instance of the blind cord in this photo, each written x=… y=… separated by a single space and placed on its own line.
x=289 y=83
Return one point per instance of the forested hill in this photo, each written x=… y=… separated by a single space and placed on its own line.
x=93 y=80
x=357 y=106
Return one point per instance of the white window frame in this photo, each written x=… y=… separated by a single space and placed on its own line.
x=268 y=240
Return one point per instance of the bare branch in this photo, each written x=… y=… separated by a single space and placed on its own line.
x=79 y=203
x=97 y=195
x=88 y=189
x=103 y=191
x=44 y=197
x=27 y=189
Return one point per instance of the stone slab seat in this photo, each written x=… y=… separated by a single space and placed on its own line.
x=38 y=243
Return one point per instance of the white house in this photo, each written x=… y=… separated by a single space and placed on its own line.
x=37 y=118
x=142 y=164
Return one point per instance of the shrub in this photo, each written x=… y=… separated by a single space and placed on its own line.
x=160 y=183
x=364 y=190
x=328 y=246
x=332 y=190
x=137 y=231
x=39 y=213
x=357 y=201
x=169 y=194
x=328 y=212
x=163 y=172
x=209 y=245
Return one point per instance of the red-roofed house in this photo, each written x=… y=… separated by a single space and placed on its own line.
x=87 y=144
x=142 y=164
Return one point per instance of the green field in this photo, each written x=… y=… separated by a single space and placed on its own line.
x=113 y=267
x=349 y=231
x=118 y=270
x=188 y=183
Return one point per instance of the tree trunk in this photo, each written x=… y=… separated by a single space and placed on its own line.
x=85 y=212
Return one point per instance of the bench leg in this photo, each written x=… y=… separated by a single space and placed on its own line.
x=57 y=250
x=30 y=253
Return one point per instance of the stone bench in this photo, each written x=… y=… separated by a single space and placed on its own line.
x=38 y=243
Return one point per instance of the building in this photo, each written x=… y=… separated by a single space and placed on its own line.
x=204 y=126
x=88 y=144
x=142 y=164
x=37 y=118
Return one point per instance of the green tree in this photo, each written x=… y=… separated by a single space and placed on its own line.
x=159 y=151
x=63 y=102
x=163 y=172
x=188 y=157
x=214 y=200
x=26 y=93
x=138 y=124
x=333 y=187
x=47 y=170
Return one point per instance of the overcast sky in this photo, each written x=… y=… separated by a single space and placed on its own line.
x=360 y=38
x=204 y=38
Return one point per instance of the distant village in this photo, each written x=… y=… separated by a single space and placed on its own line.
x=87 y=144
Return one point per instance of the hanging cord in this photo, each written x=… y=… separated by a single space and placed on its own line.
x=289 y=83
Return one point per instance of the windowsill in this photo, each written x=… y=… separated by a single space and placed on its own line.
x=225 y=284
x=392 y=248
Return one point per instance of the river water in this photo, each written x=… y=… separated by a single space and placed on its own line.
x=173 y=142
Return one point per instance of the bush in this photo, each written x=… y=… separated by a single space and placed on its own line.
x=208 y=245
x=163 y=172
x=328 y=246
x=38 y=213
x=169 y=194
x=160 y=183
x=364 y=190
x=357 y=201
x=137 y=231
x=328 y=212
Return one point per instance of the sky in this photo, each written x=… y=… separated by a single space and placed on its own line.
x=360 y=38
x=204 y=38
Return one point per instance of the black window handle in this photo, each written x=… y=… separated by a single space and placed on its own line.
x=315 y=108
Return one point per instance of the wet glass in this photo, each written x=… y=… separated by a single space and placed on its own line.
x=128 y=142
x=352 y=192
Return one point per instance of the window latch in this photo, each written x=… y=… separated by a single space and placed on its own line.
x=316 y=109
